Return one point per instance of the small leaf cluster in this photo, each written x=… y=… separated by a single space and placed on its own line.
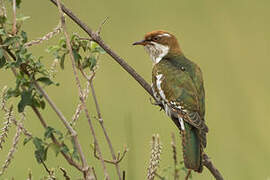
x=85 y=52
x=43 y=144
x=29 y=69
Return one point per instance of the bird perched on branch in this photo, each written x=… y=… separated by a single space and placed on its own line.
x=177 y=85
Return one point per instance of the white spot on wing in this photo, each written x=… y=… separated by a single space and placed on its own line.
x=167 y=110
x=181 y=121
x=161 y=92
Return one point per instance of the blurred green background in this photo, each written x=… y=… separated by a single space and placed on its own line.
x=230 y=40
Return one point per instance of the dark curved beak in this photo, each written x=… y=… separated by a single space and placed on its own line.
x=142 y=42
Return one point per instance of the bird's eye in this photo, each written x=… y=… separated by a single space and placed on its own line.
x=156 y=38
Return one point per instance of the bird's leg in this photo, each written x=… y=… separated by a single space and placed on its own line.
x=156 y=103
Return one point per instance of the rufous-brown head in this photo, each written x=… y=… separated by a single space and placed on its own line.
x=159 y=44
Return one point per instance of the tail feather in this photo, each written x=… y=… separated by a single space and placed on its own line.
x=192 y=148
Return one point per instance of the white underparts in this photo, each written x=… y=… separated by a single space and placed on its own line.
x=156 y=51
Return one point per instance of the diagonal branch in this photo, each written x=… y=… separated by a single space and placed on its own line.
x=208 y=163
x=95 y=37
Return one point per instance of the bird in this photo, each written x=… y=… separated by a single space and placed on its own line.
x=177 y=85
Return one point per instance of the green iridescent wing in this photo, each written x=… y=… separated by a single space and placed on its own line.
x=181 y=83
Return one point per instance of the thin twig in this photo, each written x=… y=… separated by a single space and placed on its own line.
x=126 y=66
x=188 y=174
x=101 y=25
x=94 y=172
x=84 y=162
x=101 y=122
x=210 y=166
x=159 y=176
x=117 y=161
x=29 y=175
x=46 y=168
x=124 y=175
x=47 y=36
x=65 y=173
x=14 y=26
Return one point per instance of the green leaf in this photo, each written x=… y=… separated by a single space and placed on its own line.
x=93 y=62
x=41 y=155
x=56 y=148
x=10 y=40
x=76 y=55
x=90 y=62
x=2 y=62
x=96 y=48
x=84 y=45
x=24 y=36
x=13 y=92
x=2 y=31
x=38 y=143
x=18 y=3
x=62 y=61
x=41 y=151
x=45 y=80
x=27 y=139
x=53 y=49
x=19 y=61
x=49 y=132
x=26 y=100
x=75 y=154
x=42 y=104
x=62 y=42
x=1 y=52
x=64 y=149
x=3 y=19
x=93 y=45
x=100 y=50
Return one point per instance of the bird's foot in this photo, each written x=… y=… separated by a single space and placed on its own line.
x=156 y=103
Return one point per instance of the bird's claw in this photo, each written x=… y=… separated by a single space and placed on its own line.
x=155 y=103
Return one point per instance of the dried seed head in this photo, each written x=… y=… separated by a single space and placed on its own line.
x=155 y=157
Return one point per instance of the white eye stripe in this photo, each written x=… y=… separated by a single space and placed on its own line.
x=162 y=35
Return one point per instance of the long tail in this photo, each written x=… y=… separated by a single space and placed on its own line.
x=192 y=148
